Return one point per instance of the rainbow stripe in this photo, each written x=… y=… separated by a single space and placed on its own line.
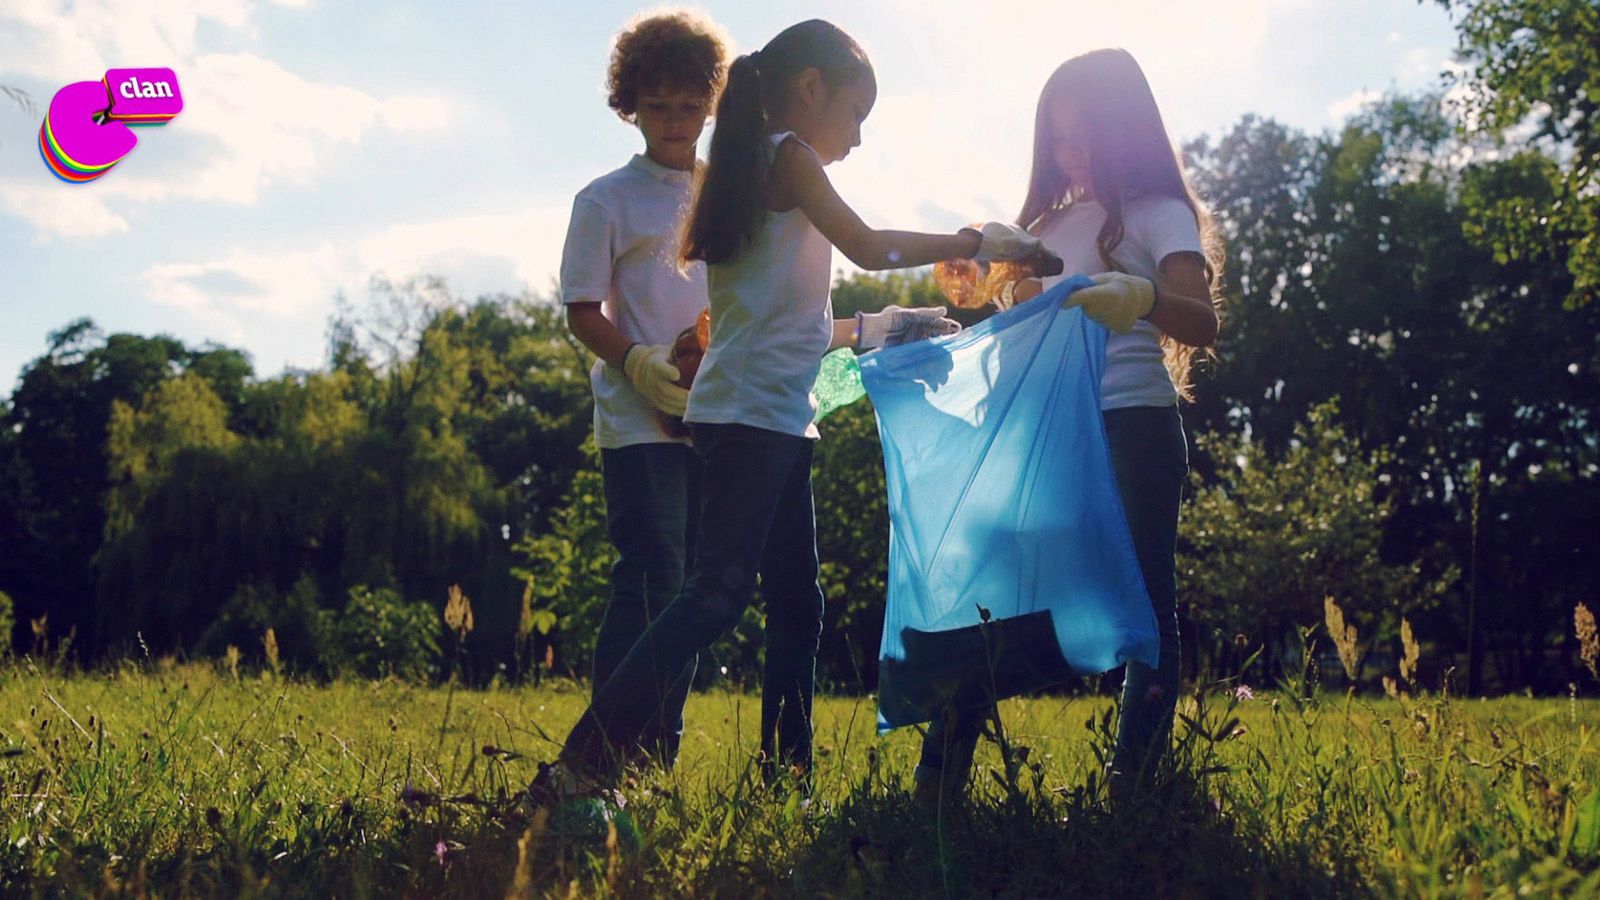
x=56 y=168
x=61 y=156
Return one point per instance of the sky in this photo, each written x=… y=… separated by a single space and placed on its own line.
x=325 y=142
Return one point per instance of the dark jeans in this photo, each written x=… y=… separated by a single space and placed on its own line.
x=651 y=511
x=756 y=519
x=1150 y=459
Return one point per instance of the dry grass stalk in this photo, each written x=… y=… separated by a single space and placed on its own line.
x=1583 y=625
x=458 y=612
x=1344 y=638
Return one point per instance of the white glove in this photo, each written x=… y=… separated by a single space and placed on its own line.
x=902 y=325
x=652 y=376
x=1115 y=300
x=1000 y=241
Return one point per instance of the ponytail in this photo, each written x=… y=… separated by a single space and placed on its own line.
x=727 y=207
x=728 y=200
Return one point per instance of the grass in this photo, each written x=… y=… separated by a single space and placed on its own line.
x=189 y=781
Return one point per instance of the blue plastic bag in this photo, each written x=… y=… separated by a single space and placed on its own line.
x=1010 y=561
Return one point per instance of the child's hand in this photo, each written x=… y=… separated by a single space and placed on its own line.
x=647 y=367
x=902 y=325
x=998 y=240
x=1116 y=300
x=1013 y=292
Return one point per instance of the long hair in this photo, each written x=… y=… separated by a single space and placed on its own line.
x=1130 y=156
x=727 y=205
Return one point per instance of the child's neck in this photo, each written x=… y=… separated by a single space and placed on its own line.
x=672 y=162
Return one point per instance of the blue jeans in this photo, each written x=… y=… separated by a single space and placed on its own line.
x=651 y=514
x=1150 y=459
x=756 y=520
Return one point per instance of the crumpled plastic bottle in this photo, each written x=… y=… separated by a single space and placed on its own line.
x=838 y=382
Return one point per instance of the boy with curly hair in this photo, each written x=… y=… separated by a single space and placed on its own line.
x=626 y=300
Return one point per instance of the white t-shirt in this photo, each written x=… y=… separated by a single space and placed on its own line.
x=622 y=252
x=1153 y=227
x=771 y=322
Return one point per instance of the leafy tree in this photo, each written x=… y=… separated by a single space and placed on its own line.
x=1349 y=276
x=1273 y=534
x=53 y=475
x=1532 y=68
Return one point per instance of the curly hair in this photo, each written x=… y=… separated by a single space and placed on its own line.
x=675 y=48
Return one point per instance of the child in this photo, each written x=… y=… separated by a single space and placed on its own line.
x=626 y=300
x=764 y=221
x=1108 y=195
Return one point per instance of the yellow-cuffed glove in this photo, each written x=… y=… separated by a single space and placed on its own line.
x=1115 y=300
x=647 y=367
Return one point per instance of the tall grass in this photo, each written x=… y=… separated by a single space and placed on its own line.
x=203 y=780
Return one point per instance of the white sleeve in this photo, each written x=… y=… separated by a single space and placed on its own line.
x=587 y=257
x=1167 y=226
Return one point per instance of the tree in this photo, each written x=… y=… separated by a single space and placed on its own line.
x=1273 y=534
x=53 y=475
x=1533 y=66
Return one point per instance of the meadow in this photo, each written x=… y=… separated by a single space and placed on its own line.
x=200 y=779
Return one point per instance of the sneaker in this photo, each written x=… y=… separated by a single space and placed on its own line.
x=588 y=821
x=580 y=810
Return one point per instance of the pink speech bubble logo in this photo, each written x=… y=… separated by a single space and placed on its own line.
x=85 y=133
x=143 y=96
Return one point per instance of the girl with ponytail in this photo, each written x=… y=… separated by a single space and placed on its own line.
x=765 y=220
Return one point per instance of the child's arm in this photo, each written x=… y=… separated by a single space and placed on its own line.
x=799 y=178
x=650 y=373
x=1181 y=305
x=586 y=268
x=844 y=334
x=1183 y=309
x=592 y=329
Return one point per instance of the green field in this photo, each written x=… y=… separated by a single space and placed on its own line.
x=190 y=780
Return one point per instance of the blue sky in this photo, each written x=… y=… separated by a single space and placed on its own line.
x=324 y=142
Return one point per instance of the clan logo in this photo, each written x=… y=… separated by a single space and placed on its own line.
x=86 y=131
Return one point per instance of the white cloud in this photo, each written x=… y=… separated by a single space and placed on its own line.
x=65 y=211
x=273 y=287
x=285 y=284
x=527 y=242
x=958 y=147
x=1345 y=107
x=415 y=113
x=257 y=122
x=61 y=42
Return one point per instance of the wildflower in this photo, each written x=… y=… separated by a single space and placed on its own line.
x=1243 y=692
x=441 y=851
